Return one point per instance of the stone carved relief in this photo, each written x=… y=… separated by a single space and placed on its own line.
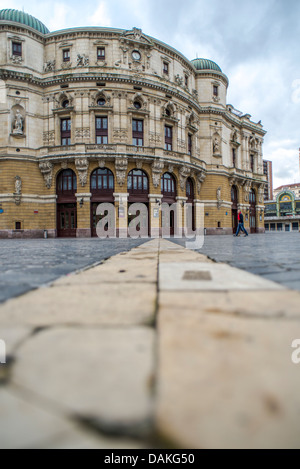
x=178 y=80
x=16 y=59
x=18 y=124
x=100 y=95
x=137 y=33
x=46 y=169
x=66 y=65
x=82 y=60
x=184 y=173
x=82 y=133
x=101 y=163
x=247 y=187
x=49 y=66
x=171 y=168
x=82 y=166
x=139 y=164
x=261 y=191
x=199 y=179
x=120 y=135
x=49 y=137
x=64 y=165
x=157 y=167
x=154 y=137
x=121 y=169
x=216 y=144
x=18 y=190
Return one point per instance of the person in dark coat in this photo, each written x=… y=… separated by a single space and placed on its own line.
x=241 y=225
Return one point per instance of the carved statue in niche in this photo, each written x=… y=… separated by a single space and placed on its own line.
x=18 y=190
x=18 y=124
x=219 y=201
x=216 y=145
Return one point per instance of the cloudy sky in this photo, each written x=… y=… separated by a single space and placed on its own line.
x=255 y=43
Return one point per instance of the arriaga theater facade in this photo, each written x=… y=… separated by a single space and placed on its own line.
x=103 y=115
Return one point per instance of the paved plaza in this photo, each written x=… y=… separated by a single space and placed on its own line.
x=275 y=256
x=27 y=264
x=157 y=347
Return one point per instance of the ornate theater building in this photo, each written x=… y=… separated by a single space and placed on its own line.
x=92 y=115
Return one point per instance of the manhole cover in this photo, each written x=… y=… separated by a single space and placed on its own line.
x=196 y=275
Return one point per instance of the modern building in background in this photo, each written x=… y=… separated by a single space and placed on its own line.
x=91 y=115
x=268 y=172
x=283 y=213
x=294 y=188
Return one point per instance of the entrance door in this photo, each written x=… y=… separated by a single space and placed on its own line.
x=144 y=226
x=252 y=200
x=234 y=208
x=66 y=220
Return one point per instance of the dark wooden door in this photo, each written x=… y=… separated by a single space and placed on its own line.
x=66 y=220
x=234 y=208
x=252 y=211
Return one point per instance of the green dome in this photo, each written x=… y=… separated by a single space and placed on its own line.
x=23 y=18
x=205 y=64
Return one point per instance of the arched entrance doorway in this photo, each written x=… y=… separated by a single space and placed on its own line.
x=66 y=186
x=190 y=195
x=252 y=201
x=138 y=190
x=102 y=190
x=168 y=190
x=234 y=208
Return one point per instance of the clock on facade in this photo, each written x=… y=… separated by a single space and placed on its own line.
x=136 y=55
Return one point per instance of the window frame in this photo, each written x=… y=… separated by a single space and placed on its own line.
x=101 y=132
x=66 y=55
x=137 y=135
x=216 y=91
x=100 y=56
x=17 y=49
x=65 y=134
x=190 y=144
x=168 y=138
x=165 y=68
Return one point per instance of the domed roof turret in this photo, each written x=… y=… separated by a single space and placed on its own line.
x=205 y=64
x=18 y=16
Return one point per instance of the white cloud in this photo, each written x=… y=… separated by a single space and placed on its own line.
x=58 y=18
x=101 y=16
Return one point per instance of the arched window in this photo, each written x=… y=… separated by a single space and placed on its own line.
x=137 y=182
x=168 y=185
x=189 y=189
x=252 y=197
x=234 y=196
x=66 y=182
x=102 y=180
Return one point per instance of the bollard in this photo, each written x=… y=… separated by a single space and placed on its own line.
x=45 y=234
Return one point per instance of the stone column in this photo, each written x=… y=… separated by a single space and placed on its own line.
x=121 y=207
x=181 y=214
x=155 y=214
x=199 y=216
x=83 y=215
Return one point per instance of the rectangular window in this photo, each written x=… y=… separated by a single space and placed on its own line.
x=215 y=90
x=17 y=49
x=279 y=226
x=272 y=226
x=233 y=157
x=252 y=162
x=101 y=130
x=18 y=225
x=66 y=55
x=137 y=132
x=267 y=227
x=166 y=68
x=186 y=80
x=295 y=226
x=100 y=53
x=66 y=132
x=190 y=144
x=168 y=137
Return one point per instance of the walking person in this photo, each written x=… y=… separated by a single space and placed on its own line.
x=241 y=225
